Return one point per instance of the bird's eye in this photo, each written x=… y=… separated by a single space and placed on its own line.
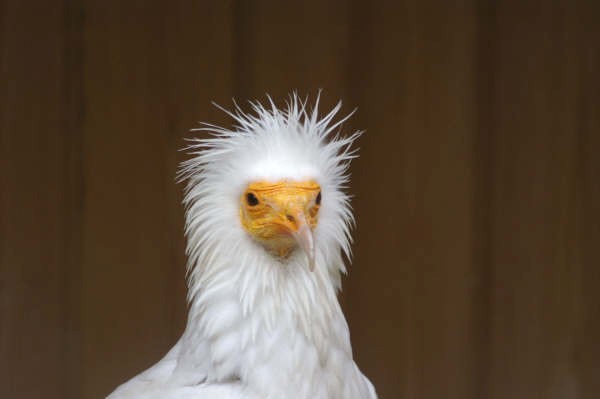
x=251 y=199
x=318 y=200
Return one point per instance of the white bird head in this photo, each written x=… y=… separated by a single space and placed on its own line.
x=268 y=190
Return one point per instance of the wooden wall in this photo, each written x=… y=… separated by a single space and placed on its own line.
x=476 y=271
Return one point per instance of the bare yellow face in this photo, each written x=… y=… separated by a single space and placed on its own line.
x=282 y=215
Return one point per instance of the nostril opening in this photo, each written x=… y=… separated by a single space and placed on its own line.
x=290 y=218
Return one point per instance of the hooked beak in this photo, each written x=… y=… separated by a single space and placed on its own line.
x=304 y=238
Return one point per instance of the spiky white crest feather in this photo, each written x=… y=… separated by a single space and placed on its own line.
x=259 y=325
x=273 y=144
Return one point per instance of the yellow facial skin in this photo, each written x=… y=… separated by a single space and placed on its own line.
x=282 y=215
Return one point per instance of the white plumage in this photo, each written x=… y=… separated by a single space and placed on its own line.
x=262 y=326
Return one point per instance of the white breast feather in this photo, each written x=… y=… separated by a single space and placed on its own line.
x=260 y=327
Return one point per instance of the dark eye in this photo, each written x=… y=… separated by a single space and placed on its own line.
x=318 y=200
x=251 y=199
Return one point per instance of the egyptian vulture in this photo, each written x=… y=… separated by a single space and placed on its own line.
x=268 y=226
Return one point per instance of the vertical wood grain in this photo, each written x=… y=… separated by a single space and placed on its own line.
x=283 y=47
x=40 y=200
x=126 y=243
x=416 y=282
x=587 y=351
x=536 y=259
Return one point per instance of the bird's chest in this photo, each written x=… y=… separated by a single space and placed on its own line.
x=285 y=363
x=284 y=355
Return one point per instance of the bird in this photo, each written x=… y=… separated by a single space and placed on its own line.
x=268 y=223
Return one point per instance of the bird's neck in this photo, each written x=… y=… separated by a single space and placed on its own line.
x=244 y=309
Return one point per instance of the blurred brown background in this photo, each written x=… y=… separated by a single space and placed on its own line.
x=476 y=270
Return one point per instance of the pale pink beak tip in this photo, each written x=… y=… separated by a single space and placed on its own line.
x=304 y=237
